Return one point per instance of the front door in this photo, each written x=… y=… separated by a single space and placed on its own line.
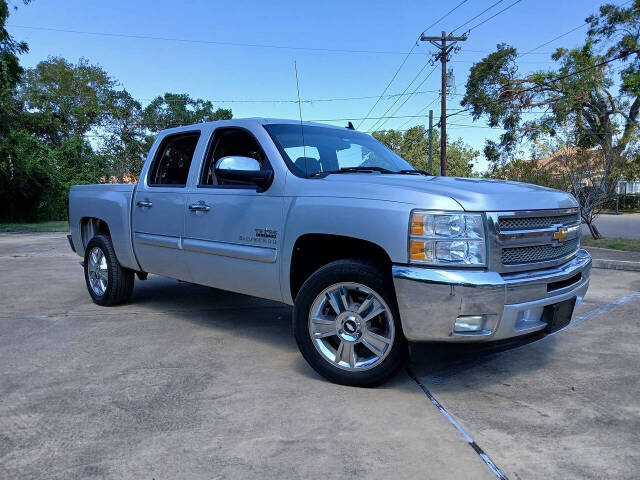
x=233 y=233
x=159 y=207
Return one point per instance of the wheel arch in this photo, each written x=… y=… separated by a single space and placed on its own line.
x=92 y=226
x=313 y=250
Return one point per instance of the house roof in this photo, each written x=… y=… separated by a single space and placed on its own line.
x=564 y=159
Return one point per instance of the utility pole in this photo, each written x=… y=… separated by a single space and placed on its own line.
x=445 y=43
x=430 y=142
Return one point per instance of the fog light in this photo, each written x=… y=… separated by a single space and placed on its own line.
x=470 y=324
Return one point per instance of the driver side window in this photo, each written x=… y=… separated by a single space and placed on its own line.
x=231 y=142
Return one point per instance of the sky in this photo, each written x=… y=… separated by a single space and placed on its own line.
x=375 y=34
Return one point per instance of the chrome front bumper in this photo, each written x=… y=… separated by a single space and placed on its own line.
x=430 y=299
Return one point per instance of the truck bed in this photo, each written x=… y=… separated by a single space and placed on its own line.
x=111 y=203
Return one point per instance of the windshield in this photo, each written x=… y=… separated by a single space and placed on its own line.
x=331 y=149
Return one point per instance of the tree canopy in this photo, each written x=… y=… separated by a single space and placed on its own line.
x=413 y=146
x=63 y=123
x=587 y=95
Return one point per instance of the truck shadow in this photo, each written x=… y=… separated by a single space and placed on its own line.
x=456 y=366
x=261 y=319
x=257 y=319
x=270 y=322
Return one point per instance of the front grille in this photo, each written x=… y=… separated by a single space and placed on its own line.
x=506 y=224
x=538 y=253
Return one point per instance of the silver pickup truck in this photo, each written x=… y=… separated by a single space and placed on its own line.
x=370 y=252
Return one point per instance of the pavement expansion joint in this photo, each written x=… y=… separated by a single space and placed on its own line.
x=476 y=448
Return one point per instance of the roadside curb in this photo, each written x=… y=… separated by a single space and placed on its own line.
x=616 y=265
x=614 y=259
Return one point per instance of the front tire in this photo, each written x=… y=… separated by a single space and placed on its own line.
x=108 y=282
x=347 y=326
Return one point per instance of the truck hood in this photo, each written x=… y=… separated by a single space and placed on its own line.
x=473 y=194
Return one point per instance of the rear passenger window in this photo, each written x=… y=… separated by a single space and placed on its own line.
x=172 y=162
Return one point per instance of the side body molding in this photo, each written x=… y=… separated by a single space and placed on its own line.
x=166 y=241
x=233 y=250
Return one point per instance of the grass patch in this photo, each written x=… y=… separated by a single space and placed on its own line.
x=622 y=212
x=628 y=244
x=53 y=226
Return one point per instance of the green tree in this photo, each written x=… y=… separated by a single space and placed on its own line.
x=528 y=171
x=413 y=146
x=124 y=136
x=10 y=71
x=27 y=178
x=579 y=95
x=65 y=100
x=173 y=109
x=74 y=162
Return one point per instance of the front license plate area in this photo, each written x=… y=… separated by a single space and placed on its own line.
x=558 y=315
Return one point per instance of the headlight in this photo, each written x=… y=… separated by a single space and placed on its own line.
x=447 y=239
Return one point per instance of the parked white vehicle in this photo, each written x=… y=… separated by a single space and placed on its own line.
x=370 y=252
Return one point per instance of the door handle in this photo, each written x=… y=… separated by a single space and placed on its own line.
x=144 y=204
x=199 y=207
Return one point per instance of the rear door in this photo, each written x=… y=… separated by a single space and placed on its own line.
x=233 y=233
x=159 y=206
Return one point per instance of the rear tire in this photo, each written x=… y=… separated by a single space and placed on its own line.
x=347 y=326
x=108 y=282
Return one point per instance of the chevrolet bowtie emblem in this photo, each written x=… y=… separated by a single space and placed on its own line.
x=560 y=235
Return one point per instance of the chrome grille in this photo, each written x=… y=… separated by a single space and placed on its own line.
x=525 y=240
x=538 y=253
x=506 y=224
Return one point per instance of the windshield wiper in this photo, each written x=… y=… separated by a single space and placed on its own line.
x=371 y=170
x=353 y=170
x=415 y=172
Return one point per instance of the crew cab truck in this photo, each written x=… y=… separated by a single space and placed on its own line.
x=371 y=252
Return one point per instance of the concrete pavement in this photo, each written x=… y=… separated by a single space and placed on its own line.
x=191 y=382
x=566 y=406
x=187 y=382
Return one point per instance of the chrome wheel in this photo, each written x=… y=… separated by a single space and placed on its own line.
x=351 y=326
x=97 y=271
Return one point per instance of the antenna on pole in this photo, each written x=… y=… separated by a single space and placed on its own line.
x=304 y=148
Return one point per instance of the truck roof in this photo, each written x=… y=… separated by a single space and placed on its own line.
x=240 y=122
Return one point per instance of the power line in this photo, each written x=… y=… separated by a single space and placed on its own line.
x=557 y=79
x=445 y=15
x=478 y=15
x=420 y=111
x=405 y=61
x=475 y=126
x=539 y=62
x=309 y=100
x=231 y=44
x=493 y=16
x=388 y=84
x=462 y=125
x=529 y=52
x=207 y=42
x=345 y=119
x=553 y=40
x=360 y=118
x=403 y=92
x=582 y=25
x=407 y=99
x=577 y=72
x=549 y=83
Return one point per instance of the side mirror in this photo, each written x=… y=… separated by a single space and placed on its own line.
x=243 y=171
